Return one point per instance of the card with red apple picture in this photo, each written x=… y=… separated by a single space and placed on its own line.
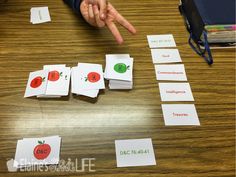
x=90 y=76
x=75 y=87
x=37 y=83
x=51 y=82
x=37 y=151
x=58 y=81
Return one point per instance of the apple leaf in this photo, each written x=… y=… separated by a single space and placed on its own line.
x=41 y=142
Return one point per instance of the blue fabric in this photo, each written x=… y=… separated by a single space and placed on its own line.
x=74 y=4
x=216 y=11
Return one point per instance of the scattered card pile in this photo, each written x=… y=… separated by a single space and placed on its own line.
x=53 y=81
x=119 y=71
x=39 y=15
x=174 y=114
x=87 y=79
x=37 y=151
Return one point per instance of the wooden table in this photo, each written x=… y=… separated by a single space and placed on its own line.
x=89 y=127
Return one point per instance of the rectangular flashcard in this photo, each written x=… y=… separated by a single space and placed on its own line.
x=172 y=72
x=175 y=92
x=90 y=76
x=121 y=85
x=134 y=152
x=58 y=82
x=114 y=57
x=75 y=88
x=39 y=15
x=180 y=114
x=37 y=151
x=37 y=83
x=159 y=41
x=165 y=56
x=119 y=69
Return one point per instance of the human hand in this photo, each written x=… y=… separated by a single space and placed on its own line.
x=100 y=13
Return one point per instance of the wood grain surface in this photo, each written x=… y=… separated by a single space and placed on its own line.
x=89 y=127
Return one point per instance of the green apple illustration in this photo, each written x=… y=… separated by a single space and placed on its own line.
x=121 y=68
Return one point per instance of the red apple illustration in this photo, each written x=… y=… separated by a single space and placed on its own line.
x=54 y=75
x=93 y=77
x=36 y=82
x=42 y=150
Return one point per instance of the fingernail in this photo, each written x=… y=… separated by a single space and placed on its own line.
x=121 y=41
x=103 y=16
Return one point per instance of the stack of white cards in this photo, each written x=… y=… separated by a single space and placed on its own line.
x=37 y=151
x=119 y=71
x=87 y=79
x=51 y=82
x=39 y=15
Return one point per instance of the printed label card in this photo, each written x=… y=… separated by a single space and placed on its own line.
x=180 y=114
x=171 y=72
x=165 y=56
x=175 y=92
x=134 y=152
x=159 y=41
x=37 y=83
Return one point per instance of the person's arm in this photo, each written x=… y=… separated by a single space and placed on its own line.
x=74 y=4
x=101 y=13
